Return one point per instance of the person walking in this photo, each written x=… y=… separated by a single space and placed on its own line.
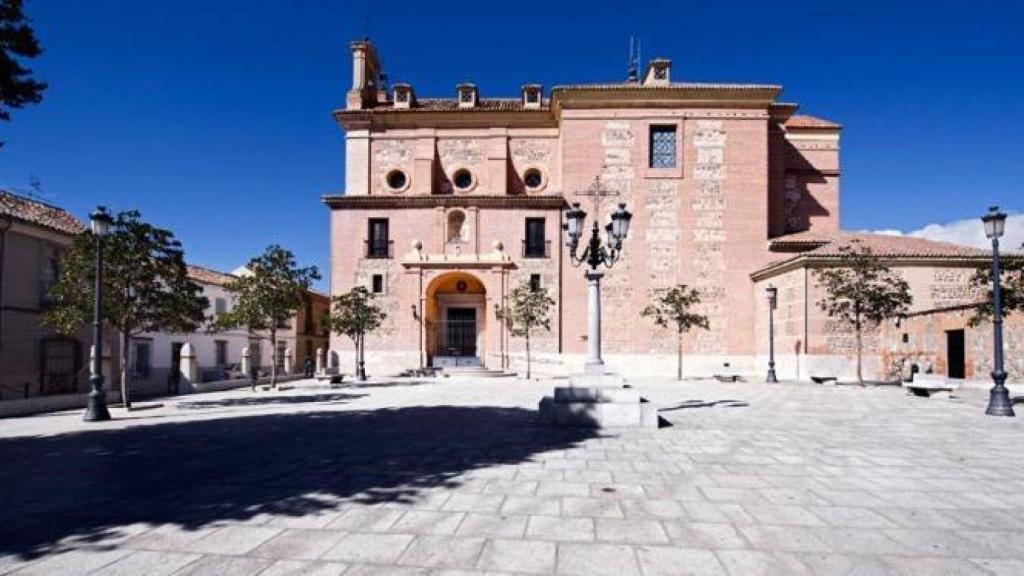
x=307 y=366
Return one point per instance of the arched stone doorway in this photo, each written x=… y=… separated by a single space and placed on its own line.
x=456 y=319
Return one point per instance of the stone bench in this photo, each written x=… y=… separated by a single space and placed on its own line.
x=928 y=385
x=597 y=406
x=335 y=378
x=728 y=377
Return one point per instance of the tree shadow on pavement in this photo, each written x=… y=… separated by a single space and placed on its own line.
x=268 y=400
x=706 y=404
x=81 y=489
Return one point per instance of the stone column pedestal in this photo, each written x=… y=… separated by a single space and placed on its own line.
x=189 y=368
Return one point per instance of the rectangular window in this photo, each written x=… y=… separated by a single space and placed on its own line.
x=282 y=347
x=535 y=245
x=663 y=147
x=378 y=284
x=535 y=282
x=220 y=306
x=221 y=351
x=143 y=359
x=48 y=274
x=378 y=242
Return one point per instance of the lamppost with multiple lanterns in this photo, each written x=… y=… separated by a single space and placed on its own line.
x=96 y=408
x=773 y=298
x=999 y=403
x=595 y=254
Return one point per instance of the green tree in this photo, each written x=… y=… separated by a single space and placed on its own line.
x=528 y=311
x=354 y=314
x=267 y=295
x=862 y=292
x=672 y=309
x=1012 y=288
x=146 y=287
x=17 y=40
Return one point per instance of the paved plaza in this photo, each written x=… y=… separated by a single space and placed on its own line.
x=457 y=477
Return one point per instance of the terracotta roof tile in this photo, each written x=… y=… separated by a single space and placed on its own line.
x=39 y=213
x=804 y=121
x=208 y=276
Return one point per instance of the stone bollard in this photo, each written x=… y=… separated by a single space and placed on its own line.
x=287 y=361
x=246 y=361
x=319 y=360
x=335 y=363
x=189 y=367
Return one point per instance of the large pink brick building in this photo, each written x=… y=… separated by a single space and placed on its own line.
x=450 y=203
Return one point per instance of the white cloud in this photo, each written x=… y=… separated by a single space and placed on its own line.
x=968 y=233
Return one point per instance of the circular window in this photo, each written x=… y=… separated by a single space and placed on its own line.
x=461 y=286
x=463 y=179
x=396 y=180
x=533 y=179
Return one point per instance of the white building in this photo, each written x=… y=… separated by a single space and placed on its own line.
x=154 y=356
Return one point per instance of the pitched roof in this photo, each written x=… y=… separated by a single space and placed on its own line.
x=812 y=245
x=39 y=213
x=208 y=276
x=827 y=244
x=805 y=121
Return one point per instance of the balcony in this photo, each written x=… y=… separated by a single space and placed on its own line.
x=378 y=249
x=536 y=249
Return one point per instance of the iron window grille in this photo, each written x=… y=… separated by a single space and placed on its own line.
x=663 y=147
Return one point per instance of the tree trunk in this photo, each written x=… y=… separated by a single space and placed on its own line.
x=273 y=358
x=679 y=356
x=527 y=354
x=125 y=355
x=860 y=353
x=361 y=359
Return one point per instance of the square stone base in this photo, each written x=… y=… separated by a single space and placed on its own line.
x=597 y=406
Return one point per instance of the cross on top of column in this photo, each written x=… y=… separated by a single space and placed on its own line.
x=597 y=191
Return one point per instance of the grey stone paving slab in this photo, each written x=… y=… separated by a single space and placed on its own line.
x=443 y=552
x=225 y=566
x=491 y=525
x=369 y=548
x=232 y=540
x=597 y=560
x=531 y=556
x=705 y=535
x=558 y=529
x=304 y=568
x=149 y=563
x=630 y=531
x=299 y=544
x=428 y=522
x=664 y=561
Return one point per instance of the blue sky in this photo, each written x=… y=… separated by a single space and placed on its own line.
x=213 y=118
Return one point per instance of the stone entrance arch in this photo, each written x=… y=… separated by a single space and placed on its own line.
x=456 y=320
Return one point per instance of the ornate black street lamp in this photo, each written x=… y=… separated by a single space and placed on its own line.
x=595 y=255
x=773 y=298
x=96 y=409
x=999 y=397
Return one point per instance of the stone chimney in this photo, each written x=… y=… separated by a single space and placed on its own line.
x=533 y=95
x=404 y=95
x=658 y=72
x=467 y=95
x=366 y=75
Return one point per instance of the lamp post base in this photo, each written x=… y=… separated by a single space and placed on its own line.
x=999 y=403
x=771 y=379
x=96 y=404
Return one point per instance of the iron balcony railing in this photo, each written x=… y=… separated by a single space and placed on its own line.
x=536 y=249
x=379 y=249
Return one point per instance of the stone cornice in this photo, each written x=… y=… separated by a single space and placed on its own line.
x=412 y=118
x=376 y=201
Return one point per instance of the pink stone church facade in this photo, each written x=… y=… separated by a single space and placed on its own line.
x=450 y=203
